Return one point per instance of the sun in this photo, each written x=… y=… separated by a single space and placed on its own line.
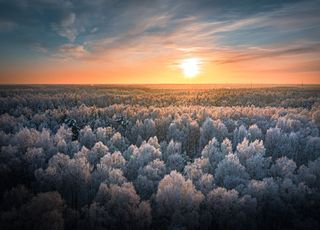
x=190 y=67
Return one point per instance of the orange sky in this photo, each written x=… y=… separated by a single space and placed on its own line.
x=97 y=43
x=158 y=71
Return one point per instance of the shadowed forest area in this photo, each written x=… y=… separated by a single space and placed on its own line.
x=141 y=157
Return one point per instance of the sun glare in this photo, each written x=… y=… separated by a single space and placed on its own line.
x=190 y=67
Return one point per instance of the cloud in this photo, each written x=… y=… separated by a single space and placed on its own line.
x=66 y=27
x=255 y=54
x=72 y=50
x=6 y=25
x=94 y=29
x=39 y=48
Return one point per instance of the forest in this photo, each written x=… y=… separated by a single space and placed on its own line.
x=136 y=157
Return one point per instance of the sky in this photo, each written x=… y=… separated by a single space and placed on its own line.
x=150 y=42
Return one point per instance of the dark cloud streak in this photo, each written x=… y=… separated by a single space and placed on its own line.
x=302 y=50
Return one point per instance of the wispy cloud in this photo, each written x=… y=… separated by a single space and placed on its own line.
x=254 y=54
x=66 y=27
x=6 y=25
x=38 y=47
x=72 y=50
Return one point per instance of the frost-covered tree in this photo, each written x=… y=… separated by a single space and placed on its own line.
x=196 y=169
x=87 y=137
x=97 y=152
x=258 y=166
x=145 y=154
x=312 y=149
x=205 y=183
x=316 y=117
x=172 y=148
x=273 y=142
x=227 y=210
x=246 y=150
x=230 y=173
x=149 y=177
x=26 y=138
x=310 y=174
x=215 y=153
x=145 y=129
x=119 y=207
x=45 y=210
x=175 y=191
x=254 y=133
x=283 y=168
x=239 y=134
x=211 y=129
x=104 y=134
x=68 y=176
x=35 y=158
x=114 y=160
x=175 y=162
x=117 y=143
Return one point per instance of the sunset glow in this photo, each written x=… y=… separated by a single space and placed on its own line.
x=190 y=67
x=277 y=42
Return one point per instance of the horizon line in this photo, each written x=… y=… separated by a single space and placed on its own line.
x=92 y=84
